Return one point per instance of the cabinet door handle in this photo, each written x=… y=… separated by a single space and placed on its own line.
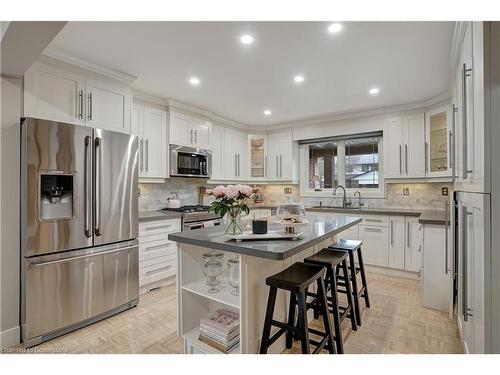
x=281 y=166
x=400 y=163
x=408 y=234
x=159 y=227
x=235 y=165
x=91 y=109
x=141 y=156
x=158 y=270
x=373 y=220
x=196 y=136
x=80 y=97
x=465 y=168
x=149 y=248
x=392 y=232
x=427 y=156
x=265 y=166
x=191 y=135
x=277 y=175
x=147 y=154
x=369 y=229
x=406 y=158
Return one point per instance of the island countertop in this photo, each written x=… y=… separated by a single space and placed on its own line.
x=319 y=228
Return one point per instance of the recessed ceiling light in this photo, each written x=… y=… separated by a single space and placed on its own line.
x=298 y=79
x=335 y=28
x=246 y=39
x=374 y=91
x=267 y=112
x=194 y=81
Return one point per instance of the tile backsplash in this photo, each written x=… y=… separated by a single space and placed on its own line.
x=421 y=195
x=154 y=196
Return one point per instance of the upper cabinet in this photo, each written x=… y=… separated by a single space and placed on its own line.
x=438 y=138
x=108 y=106
x=235 y=155
x=282 y=157
x=217 y=153
x=150 y=125
x=52 y=93
x=190 y=131
x=405 y=147
x=257 y=151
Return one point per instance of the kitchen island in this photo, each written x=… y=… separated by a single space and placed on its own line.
x=257 y=260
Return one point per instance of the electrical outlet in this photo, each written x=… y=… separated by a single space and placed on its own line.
x=288 y=190
x=406 y=191
x=139 y=192
x=444 y=191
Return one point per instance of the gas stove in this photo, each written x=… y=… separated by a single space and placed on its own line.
x=188 y=209
x=196 y=216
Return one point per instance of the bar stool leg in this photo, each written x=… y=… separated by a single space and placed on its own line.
x=291 y=319
x=336 y=315
x=264 y=344
x=326 y=316
x=302 y=323
x=363 y=278
x=350 y=302
x=354 y=281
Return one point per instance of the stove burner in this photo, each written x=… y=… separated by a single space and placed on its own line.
x=188 y=209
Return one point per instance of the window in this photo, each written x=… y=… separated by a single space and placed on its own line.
x=361 y=163
x=350 y=161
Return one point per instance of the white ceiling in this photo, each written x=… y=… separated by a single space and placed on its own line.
x=408 y=61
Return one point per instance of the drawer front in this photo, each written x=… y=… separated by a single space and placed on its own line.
x=159 y=227
x=156 y=269
x=372 y=220
x=155 y=249
x=375 y=245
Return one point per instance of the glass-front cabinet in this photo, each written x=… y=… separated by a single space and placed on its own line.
x=257 y=144
x=439 y=133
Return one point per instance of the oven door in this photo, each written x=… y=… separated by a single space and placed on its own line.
x=201 y=224
x=190 y=162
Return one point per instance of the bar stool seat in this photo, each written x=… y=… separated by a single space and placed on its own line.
x=296 y=279
x=333 y=260
x=351 y=247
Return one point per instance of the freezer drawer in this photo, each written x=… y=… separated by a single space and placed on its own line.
x=61 y=292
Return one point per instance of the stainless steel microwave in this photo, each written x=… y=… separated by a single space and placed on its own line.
x=190 y=162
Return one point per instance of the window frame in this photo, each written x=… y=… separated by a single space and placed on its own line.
x=305 y=191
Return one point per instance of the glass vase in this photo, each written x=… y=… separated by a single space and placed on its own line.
x=234 y=222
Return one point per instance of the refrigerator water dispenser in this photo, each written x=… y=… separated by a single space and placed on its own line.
x=56 y=196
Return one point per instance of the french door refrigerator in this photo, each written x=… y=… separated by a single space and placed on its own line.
x=79 y=227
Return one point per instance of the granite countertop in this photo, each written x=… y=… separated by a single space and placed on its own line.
x=434 y=217
x=320 y=228
x=156 y=215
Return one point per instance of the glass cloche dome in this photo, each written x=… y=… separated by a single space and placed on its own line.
x=292 y=212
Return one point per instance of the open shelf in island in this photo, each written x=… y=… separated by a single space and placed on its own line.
x=193 y=337
x=223 y=296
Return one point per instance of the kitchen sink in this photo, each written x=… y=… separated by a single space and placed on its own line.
x=337 y=207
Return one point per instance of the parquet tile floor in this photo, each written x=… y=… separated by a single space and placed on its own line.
x=395 y=323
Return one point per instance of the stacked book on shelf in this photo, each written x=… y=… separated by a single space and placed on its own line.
x=221 y=330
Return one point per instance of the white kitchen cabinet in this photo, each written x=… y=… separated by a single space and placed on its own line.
x=438 y=138
x=190 y=131
x=404 y=138
x=218 y=153
x=375 y=244
x=397 y=242
x=413 y=245
x=108 y=105
x=150 y=125
x=436 y=275
x=473 y=280
x=281 y=157
x=235 y=148
x=257 y=156
x=55 y=94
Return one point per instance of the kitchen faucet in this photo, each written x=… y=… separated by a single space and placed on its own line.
x=359 y=202
x=344 y=199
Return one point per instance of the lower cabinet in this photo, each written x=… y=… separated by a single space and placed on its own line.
x=157 y=254
x=375 y=244
x=397 y=242
x=413 y=248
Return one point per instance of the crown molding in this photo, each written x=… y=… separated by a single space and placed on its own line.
x=360 y=113
x=141 y=95
x=112 y=73
x=234 y=124
x=175 y=104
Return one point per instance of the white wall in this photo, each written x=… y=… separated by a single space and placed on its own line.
x=9 y=210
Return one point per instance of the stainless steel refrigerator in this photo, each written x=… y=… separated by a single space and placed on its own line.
x=79 y=228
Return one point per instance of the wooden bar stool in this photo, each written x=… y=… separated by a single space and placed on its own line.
x=296 y=279
x=332 y=260
x=351 y=247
